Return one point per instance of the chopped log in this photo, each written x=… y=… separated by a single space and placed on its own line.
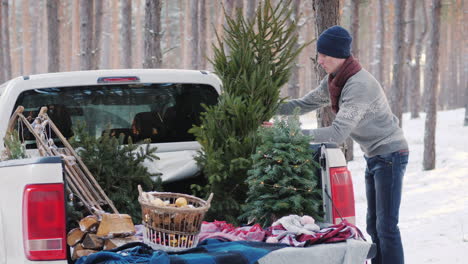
x=119 y=241
x=89 y=222
x=115 y=225
x=75 y=236
x=85 y=252
x=77 y=248
x=92 y=241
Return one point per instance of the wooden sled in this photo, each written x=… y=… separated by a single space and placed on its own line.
x=78 y=178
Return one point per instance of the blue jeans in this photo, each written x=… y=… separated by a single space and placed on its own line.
x=384 y=180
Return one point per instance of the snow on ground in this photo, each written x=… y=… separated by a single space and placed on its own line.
x=434 y=209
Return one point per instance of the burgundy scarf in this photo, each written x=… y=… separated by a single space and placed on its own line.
x=335 y=83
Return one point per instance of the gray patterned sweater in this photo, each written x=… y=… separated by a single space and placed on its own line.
x=364 y=115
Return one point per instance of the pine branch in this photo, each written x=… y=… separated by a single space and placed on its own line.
x=118 y=168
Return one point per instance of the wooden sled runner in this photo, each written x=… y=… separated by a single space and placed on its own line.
x=78 y=178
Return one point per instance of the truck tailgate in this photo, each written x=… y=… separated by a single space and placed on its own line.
x=14 y=176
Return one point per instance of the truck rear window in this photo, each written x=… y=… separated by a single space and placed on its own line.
x=161 y=112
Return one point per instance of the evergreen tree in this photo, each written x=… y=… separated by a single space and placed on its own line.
x=14 y=148
x=118 y=168
x=258 y=63
x=282 y=180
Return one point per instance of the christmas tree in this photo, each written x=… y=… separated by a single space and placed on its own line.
x=118 y=168
x=282 y=180
x=253 y=60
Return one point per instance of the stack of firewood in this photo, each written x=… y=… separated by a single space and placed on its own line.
x=94 y=234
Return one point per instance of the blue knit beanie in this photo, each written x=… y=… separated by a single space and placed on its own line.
x=335 y=42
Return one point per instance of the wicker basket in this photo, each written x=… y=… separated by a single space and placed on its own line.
x=171 y=228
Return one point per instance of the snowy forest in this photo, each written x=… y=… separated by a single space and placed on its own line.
x=417 y=49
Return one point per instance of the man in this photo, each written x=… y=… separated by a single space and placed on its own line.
x=363 y=113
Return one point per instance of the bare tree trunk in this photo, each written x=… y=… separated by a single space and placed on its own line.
x=459 y=59
x=442 y=92
x=76 y=34
x=115 y=48
x=309 y=78
x=239 y=4
x=327 y=13
x=388 y=46
x=211 y=26
x=106 y=36
x=98 y=36
x=218 y=25
x=65 y=30
x=194 y=47
x=349 y=146
x=250 y=9
x=432 y=76
x=230 y=9
x=380 y=43
x=465 y=122
x=464 y=60
x=293 y=84
x=229 y=6
x=203 y=25
x=26 y=24
x=454 y=53
x=396 y=99
x=42 y=54
x=86 y=34
x=152 y=52
x=416 y=70
x=355 y=27
x=36 y=34
x=126 y=33
x=370 y=33
x=53 y=44
x=409 y=65
x=138 y=50
x=6 y=40
x=183 y=34
x=16 y=67
x=2 y=51
x=166 y=39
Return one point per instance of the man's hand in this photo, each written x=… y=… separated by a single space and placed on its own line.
x=267 y=124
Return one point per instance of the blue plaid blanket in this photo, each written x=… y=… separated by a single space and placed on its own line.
x=210 y=251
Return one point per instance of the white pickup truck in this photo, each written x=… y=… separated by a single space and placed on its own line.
x=133 y=102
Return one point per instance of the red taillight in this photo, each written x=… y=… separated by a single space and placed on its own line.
x=119 y=79
x=342 y=195
x=44 y=222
